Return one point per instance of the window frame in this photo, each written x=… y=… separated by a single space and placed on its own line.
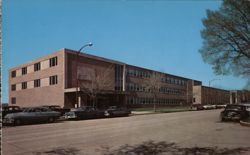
x=13 y=87
x=24 y=70
x=37 y=67
x=13 y=74
x=53 y=80
x=53 y=61
x=24 y=85
x=13 y=100
x=37 y=83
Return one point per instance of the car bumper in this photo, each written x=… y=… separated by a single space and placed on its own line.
x=8 y=121
x=70 y=117
x=231 y=118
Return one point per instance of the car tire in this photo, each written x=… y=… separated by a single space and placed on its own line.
x=51 y=119
x=17 y=122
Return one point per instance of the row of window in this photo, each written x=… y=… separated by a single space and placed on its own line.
x=37 y=67
x=144 y=74
x=173 y=81
x=136 y=73
x=171 y=91
x=140 y=88
x=136 y=100
x=136 y=87
x=37 y=83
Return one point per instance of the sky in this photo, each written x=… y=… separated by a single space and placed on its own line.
x=159 y=35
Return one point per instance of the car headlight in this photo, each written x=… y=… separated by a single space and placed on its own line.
x=70 y=115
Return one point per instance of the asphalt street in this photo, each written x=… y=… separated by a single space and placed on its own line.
x=100 y=136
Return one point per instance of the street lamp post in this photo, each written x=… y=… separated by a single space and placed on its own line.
x=78 y=99
x=210 y=81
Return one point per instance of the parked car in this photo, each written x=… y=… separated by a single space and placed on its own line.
x=57 y=108
x=10 y=109
x=247 y=107
x=209 y=107
x=86 y=112
x=234 y=112
x=220 y=106
x=197 y=107
x=116 y=111
x=32 y=115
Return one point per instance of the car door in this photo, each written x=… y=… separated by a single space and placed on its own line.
x=30 y=116
x=44 y=114
x=38 y=116
x=90 y=113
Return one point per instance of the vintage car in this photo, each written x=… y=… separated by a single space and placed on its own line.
x=10 y=109
x=86 y=112
x=220 y=106
x=57 y=108
x=116 y=111
x=32 y=115
x=209 y=107
x=234 y=112
x=197 y=107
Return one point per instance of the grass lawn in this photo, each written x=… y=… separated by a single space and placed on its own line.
x=164 y=109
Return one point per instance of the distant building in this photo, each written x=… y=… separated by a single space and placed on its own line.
x=208 y=95
x=239 y=96
x=59 y=78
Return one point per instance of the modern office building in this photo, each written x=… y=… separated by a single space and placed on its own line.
x=209 y=95
x=69 y=79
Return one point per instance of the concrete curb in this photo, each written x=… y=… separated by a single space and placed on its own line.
x=142 y=113
x=151 y=112
x=244 y=123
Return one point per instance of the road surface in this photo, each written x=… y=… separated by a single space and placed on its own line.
x=101 y=136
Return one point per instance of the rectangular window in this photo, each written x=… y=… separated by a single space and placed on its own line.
x=53 y=80
x=13 y=100
x=13 y=87
x=37 y=66
x=13 y=74
x=24 y=70
x=24 y=85
x=53 y=61
x=37 y=83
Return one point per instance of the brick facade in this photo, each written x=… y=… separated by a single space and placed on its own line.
x=67 y=77
x=209 y=95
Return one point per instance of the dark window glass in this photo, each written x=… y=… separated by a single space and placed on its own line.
x=37 y=67
x=24 y=70
x=24 y=85
x=13 y=87
x=13 y=74
x=37 y=83
x=53 y=61
x=53 y=80
x=13 y=100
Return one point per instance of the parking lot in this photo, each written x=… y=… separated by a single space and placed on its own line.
x=189 y=129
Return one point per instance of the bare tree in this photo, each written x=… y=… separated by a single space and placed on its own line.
x=97 y=82
x=153 y=85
